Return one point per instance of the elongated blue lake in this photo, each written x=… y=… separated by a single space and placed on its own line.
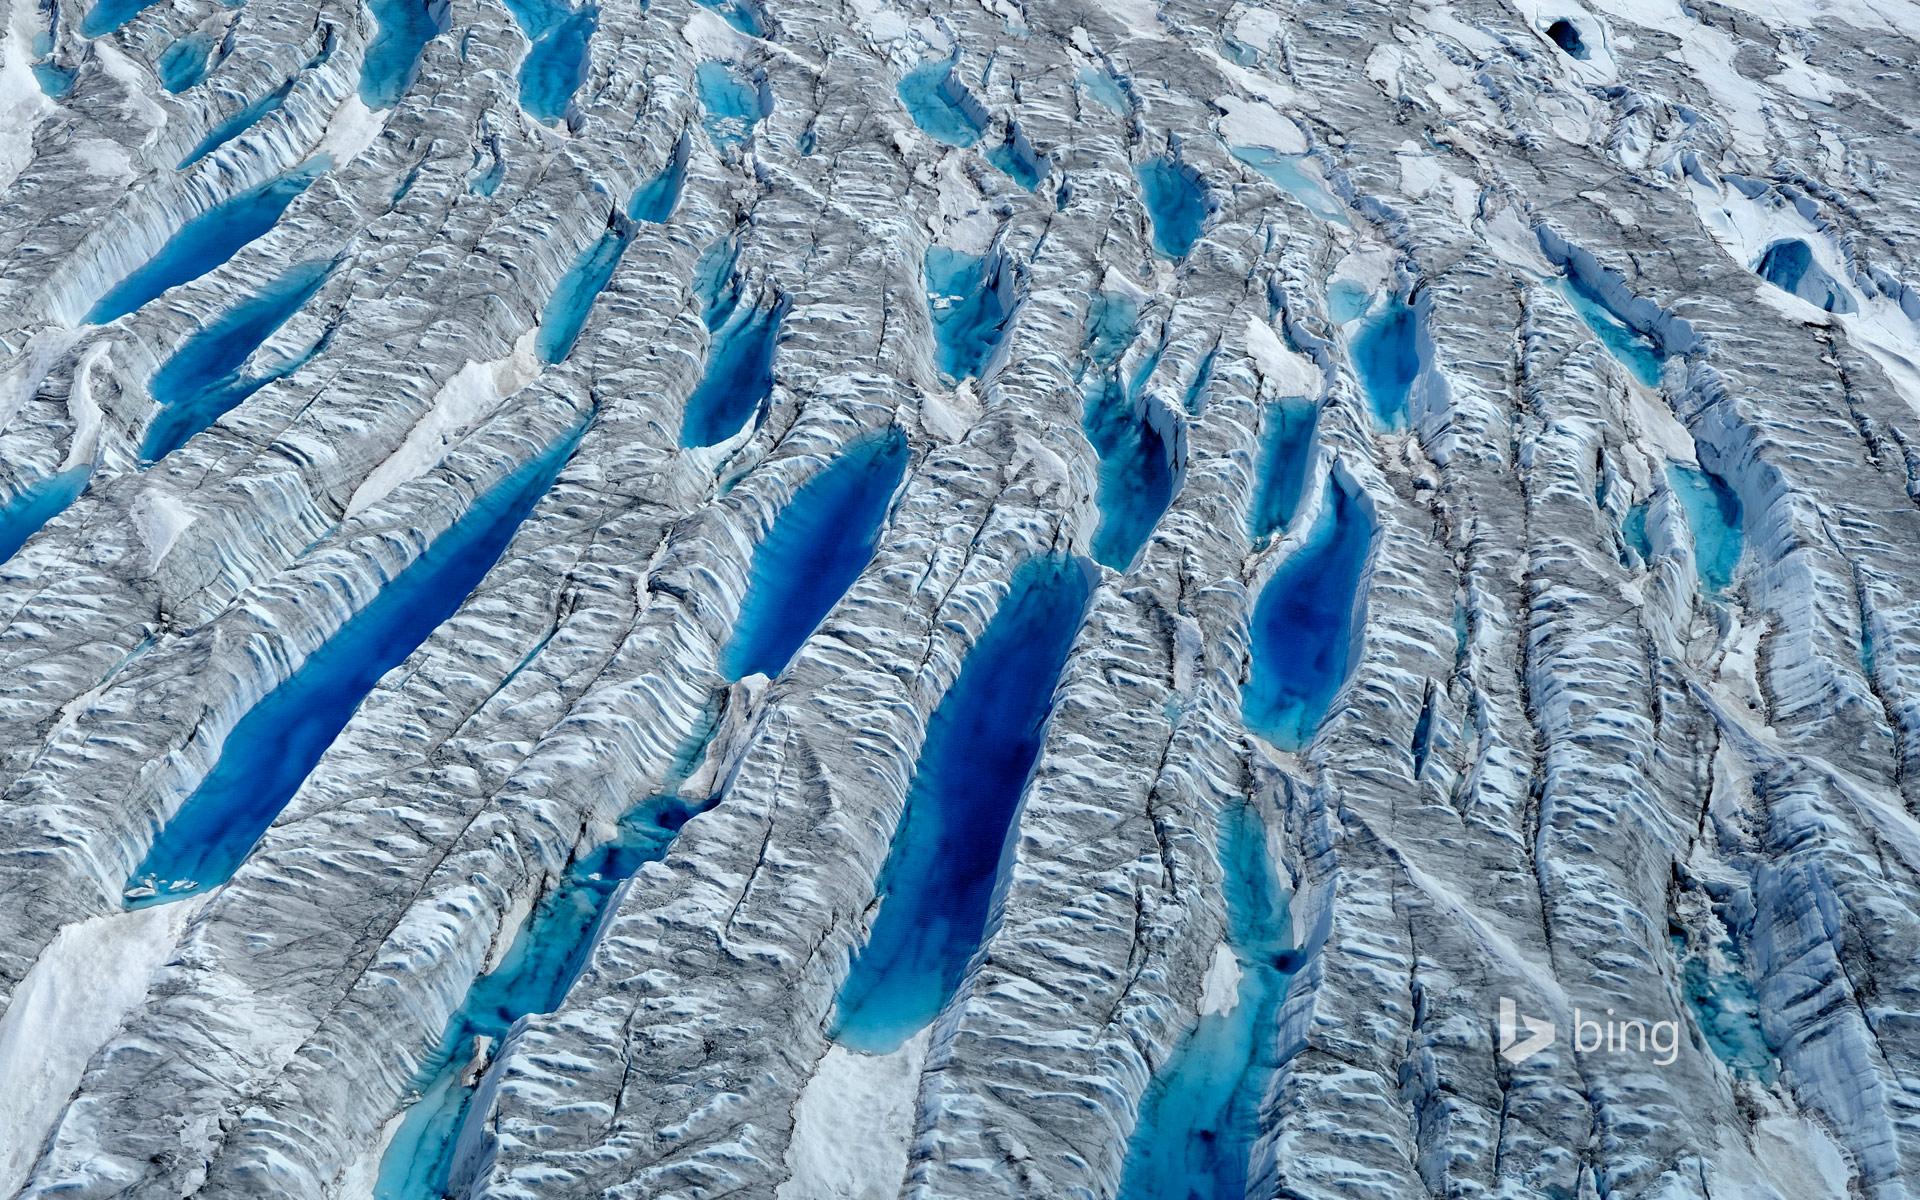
x=184 y=63
x=941 y=105
x=1200 y=1117
x=1305 y=626
x=1727 y=1011
x=971 y=302
x=739 y=14
x=738 y=384
x=1386 y=357
x=556 y=62
x=238 y=124
x=1176 y=205
x=1714 y=518
x=546 y=957
x=403 y=29
x=1104 y=89
x=1138 y=474
x=274 y=747
x=574 y=296
x=1018 y=159
x=731 y=104
x=205 y=243
x=1286 y=451
x=951 y=847
x=817 y=547
x=1633 y=350
x=1289 y=173
x=36 y=504
x=108 y=15
x=202 y=380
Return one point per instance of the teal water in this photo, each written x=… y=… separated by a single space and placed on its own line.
x=1305 y=625
x=1633 y=528
x=1138 y=474
x=185 y=62
x=273 y=748
x=1347 y=300
x=817 y=547
x=1727 y=1011
x=941 y=105
x=205 y=243
x=1105 y=90
x=556 y=61
x=731 y=104
x=237 y=124
x=34 y=505
x=1286 y=451
x=1175 y=203
x=970 y=298
x=202 y=379
x=950 y=851
x=739 y=14
x=1284 y=171
x=55 y=81
x=1017 y=159
x=738 y=384
x=1633 y=350
x=1201 y=1115
x=574 y=296
x=108 y=15
x=403 y=29
x=1386 y=356
x=1714 y=518
x=547 y=956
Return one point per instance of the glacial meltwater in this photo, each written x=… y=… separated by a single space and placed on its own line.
x=1725 y=1008
x=738 y=384
x=1288 y=173
x=34 y=505
x=403 y=29
x=108 y=15
x=202 y=380
x=738 y=13
x=237 y=124
x=971 y=298
x=1634 y=350
x=731 y=104
x=1138 y=473
x=1713 y=518
x=817 y=547
x=1104 y=89
x=941 y=106
x=960 y=823
x=1175 y=203
x=1018 y=159
x=1306 y=625
x=1200 y=1117
x=1286 y=451
x=273 y=748
x=184 y=63
x=547 y=955
x=556 y=62
x=1386 y=357
x=206 y=242
x=574 y=296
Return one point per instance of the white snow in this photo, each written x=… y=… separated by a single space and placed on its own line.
x=161 y=517
x=474 y=391
x=84 y=410
x=854 y=1123
x=1290 y=373
x=84 y=984
x=1258 y=125
x=22 y=103
x=351 y=131
x=1220 y=990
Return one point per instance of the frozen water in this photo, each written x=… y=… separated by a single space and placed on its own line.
x=732 y=104
x=1285 y=171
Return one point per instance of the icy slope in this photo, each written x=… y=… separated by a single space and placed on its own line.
x=1490 y=435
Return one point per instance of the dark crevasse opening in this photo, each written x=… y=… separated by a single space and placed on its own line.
x=1386 y=356
x=1789 y=266
x=108 y=15
x=1306 y=625
x=1566 y=35
x=1200 y=1117
x=1713 y=518
x=203 y=380
x=971 y=298
x=36 y=504
x=574 y=296
x=185 y=62
x=1175 y=203
x=731 y=104
x=404 y=27
x=556 y=62
x=206 y=242
x=272 y=749
x=956 y=834
x=1133 y=438
x=546 y=957
x=817 y=547
x=238 y=124
x=740 y=14
x=942 y=106
x=1018 y=159
x=1633 y=350
x=1286 y=451
x=738 y=384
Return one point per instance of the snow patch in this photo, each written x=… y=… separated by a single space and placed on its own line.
x=84 y=410
x=853 y=1124
x=1252 y=123
x=1290 y=373
x=1220 y=990
x=352 y=130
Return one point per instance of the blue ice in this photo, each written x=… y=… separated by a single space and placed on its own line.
x=34 y=505
x=971 y=299
x=202 y=379
x=1105 y=89
x=273 y=748
x=205 y=243
x=185 y=62
x=816 y=548
x=941 y=105
x=1175 y=203
x=951 y=849
x=1634 y=350
x=739 y=14
x=1714 y=519
x=1306 y=625
x=1200 y=1117
x=574 y=296
x=1789 y=266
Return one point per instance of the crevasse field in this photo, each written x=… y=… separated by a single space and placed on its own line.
x=958 y=599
